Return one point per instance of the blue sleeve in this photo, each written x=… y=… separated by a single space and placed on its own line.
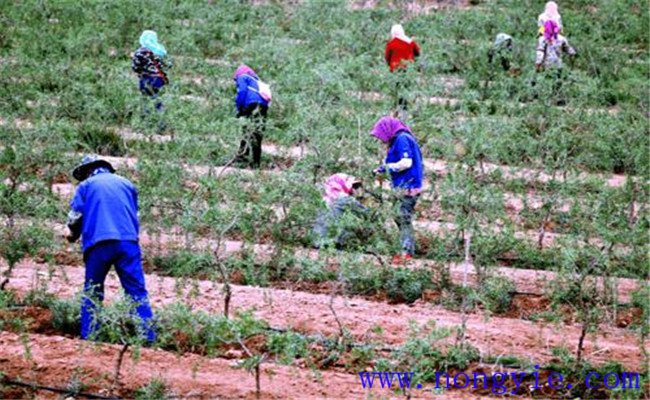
x=242 y=89
x=78 y=201
x=402 y=148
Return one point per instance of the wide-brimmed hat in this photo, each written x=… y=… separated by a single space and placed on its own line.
x=88 y=164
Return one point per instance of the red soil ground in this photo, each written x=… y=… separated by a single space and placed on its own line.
x=307 y=312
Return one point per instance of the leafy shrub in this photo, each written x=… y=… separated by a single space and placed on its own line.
x=182 y=330
x=288 y=346
x=101 y=141
x=360 y=357
x=185 y=264
x=422 y=353
x=496 y=293
x=407 y=285
x=66 y=316
x=362 y=279
x=156 y=389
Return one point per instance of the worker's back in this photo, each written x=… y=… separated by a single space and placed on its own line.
x=109 y=207
x=398 y=51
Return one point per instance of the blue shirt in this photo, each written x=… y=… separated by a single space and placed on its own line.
x=248 y=92
x=404 y=145
x=109 y=207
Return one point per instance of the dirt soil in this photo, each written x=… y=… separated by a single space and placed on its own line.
x=415 y=7
x=57 y=361
x=525 y=280
x=307 y=312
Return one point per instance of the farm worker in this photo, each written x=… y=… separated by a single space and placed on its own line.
x=501 y=50
x=252 y=102
x=400 y=50
x=104 y=212
x=550 y=14
x=550 y=47
x=149 y=63
x=340 y=190
x=404 y=164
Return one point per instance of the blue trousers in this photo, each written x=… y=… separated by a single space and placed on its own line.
x=150 y=86
x=125 y=255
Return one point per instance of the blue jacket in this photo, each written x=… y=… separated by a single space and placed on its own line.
x=248 y=92
x=108 y=204
x=404 y=145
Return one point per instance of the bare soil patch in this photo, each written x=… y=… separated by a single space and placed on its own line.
x=307 y=312
x=414 y=6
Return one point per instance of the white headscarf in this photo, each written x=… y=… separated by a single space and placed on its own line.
x=397 y=31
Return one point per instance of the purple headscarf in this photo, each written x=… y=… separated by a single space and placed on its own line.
x=387 y=127
x=244 y=70
x=551 y=30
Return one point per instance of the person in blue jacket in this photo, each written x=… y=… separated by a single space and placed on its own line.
x=104 y=213
x=253 y=105
x=404 y=164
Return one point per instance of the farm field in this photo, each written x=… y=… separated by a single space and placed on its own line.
x=532 y=227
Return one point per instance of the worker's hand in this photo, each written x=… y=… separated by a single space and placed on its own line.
x=379 y=171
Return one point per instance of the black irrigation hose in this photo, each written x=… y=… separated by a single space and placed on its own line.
x=34 y=386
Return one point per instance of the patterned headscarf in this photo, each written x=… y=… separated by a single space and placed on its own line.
x=551 y=30
x=149 y=39
x=337 y=186
x=397 y=31
x=387 y=127
x=244 y=70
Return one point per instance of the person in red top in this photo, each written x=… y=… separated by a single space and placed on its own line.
x=400 y=50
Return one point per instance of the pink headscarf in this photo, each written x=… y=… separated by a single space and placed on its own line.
x=244 y=70
x=551 y=30
x=387 y=127
x=550 y=11
x=338 y=185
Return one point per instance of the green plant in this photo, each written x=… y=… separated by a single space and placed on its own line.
x=66 y=316
x=288 y=346
x=406 y=285
x=156 y=389
x=496 y=293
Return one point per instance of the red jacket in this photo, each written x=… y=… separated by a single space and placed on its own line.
x=398 y=50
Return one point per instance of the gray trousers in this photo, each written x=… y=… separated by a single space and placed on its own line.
x=404 y=221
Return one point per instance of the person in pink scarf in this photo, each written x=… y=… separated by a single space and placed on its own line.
x=340 y=190
x=550 y=48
